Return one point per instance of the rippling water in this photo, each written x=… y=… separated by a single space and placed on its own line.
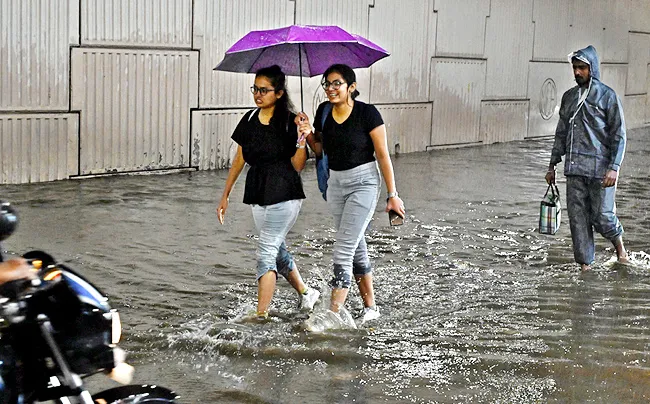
x=476 y=306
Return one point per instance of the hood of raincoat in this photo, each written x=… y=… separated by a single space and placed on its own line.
x=589 y=56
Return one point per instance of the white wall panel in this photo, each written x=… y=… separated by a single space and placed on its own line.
x=461 y=27
x=457 y=87
x=35 y=37
x=547 y=82
x=563 y=26
x=135 y=107
x=151 y=23
x=407 y=38
x=504 y=121
x=587 y=25
x=640 y=16
x=212 y=147
x=408 y=126
x=552 y=29
x=639 y=57
x=634 y=109
x=218 y=24
x=647 y=109
x=508 y=47
x=37 y=147
x=615 y=77
x=615 y=30
x=351 y=15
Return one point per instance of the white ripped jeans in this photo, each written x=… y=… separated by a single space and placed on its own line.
x=273 y=222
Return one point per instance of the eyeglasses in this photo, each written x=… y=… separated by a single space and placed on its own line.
x=336 y=84
x=261 y=90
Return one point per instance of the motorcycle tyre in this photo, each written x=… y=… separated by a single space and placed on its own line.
x=136 y=394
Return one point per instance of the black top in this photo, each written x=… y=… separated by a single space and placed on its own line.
x=349 y=144
x=268 y=150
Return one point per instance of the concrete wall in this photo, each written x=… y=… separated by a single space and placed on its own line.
x=89 y=87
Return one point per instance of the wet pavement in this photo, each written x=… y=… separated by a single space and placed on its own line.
x=477 y=307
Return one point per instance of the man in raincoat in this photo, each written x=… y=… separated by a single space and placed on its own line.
x=591 y=136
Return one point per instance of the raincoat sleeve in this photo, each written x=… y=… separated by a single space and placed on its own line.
x=617 y=135
x=559 y=146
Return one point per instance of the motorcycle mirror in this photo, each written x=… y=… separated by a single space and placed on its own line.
x=8 y=220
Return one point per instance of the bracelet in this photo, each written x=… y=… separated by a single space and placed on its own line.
x=392 y=195
x=300 y=147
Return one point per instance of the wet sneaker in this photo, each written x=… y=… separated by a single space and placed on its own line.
x=308 y=300
x=368 y=314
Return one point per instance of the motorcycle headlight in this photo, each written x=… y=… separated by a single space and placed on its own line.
x=116 y=334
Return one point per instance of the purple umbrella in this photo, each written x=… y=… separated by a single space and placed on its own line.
x=300 y=50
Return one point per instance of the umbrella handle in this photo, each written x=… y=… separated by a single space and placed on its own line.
x=302 y=103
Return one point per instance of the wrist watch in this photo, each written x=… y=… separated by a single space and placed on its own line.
x=392 y=194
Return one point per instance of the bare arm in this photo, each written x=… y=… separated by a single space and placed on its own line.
x=313 y=139
x=300 y=157
x=316 y=143
x=235 y=170
x=378 y=136
x=15 y=269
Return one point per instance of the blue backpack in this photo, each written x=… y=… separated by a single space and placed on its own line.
x=322 y=165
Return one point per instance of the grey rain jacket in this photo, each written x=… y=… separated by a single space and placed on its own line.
x=591 y=135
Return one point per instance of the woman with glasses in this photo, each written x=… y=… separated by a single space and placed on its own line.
x=353 y=135
x=268 y=141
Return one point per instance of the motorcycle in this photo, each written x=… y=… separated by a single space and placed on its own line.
x=56 y=330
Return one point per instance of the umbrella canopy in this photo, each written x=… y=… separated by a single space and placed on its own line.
x=300 y=50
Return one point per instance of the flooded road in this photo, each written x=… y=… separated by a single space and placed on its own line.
x=477 y=307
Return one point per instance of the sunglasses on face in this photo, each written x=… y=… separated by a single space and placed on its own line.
x=336 y=84
x=262 y=90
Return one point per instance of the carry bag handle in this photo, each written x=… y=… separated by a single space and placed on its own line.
x=554 y=191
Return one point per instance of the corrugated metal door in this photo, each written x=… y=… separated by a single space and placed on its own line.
x=457 y=90
x=410 y=37
x=218 y=24
x=135 y=108
x=212 y=147
x=35 y=39
x=145 y=23
x=37 y=147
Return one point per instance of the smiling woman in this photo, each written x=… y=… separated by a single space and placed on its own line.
x=353 y=135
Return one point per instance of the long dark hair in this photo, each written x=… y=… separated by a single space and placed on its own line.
x=346 y=72
x=283 y=105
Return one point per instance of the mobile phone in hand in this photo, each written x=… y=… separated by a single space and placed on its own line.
x=395 y=218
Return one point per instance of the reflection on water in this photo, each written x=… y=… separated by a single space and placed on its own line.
x=476 y=306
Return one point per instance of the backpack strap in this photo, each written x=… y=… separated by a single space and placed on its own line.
x=326 y=111
x=251 y=113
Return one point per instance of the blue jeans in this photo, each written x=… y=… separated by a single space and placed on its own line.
x=590 y=207
x=352 y=198
x=273 y=222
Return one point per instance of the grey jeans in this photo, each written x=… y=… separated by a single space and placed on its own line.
x=352 y=198
x=590 y=207
x=273 y=222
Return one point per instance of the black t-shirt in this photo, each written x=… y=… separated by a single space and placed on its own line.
x=349 y=144
x=268 y=150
